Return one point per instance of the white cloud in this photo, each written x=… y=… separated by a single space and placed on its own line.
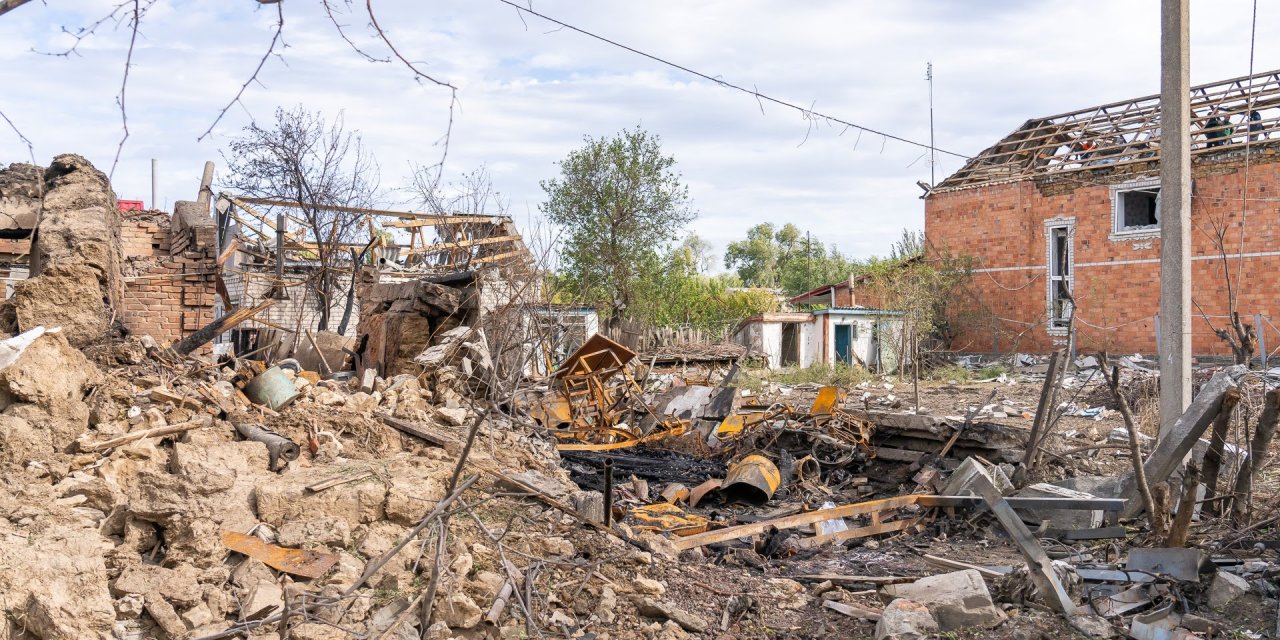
x=528 y=96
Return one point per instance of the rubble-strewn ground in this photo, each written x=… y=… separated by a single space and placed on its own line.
x=125 y=543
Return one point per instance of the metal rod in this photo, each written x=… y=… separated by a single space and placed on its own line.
x=155 y=204
x=608 y=492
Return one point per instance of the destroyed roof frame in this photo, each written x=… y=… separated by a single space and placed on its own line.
x=510 y=250
x=1123 y=133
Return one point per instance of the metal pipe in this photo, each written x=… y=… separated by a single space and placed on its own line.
x=608 y=492
x=154 y=203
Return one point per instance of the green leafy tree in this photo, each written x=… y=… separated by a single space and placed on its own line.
x=814 y=266
x=762 y=258
x=620 y=203
x=785 y=258
x=680 y=293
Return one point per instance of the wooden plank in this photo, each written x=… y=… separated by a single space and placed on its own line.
x=337 y=480
x=421 y=432
x=872 y=529
x=497 y=258
x=841 y=578
x=898 y=455
x=160 y=394
x=462 y=244
x=851 y=611
x=211 y=330
x=154 y=432
x=1073 y=504
x=956 y=564
x=425 y=218
x=788 y=522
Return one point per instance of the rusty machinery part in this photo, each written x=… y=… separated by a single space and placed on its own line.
x=751 y=480
x=808 y=468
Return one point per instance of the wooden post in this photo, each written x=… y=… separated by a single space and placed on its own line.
x=1218 y=443
x=1177 y=442
x=211 y=330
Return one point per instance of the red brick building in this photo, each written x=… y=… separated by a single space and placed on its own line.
x=1068 y=203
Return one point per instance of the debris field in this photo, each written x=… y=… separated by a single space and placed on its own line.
x=428 y=479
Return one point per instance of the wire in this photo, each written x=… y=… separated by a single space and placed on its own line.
x=808 y=114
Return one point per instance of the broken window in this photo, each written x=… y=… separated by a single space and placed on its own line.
x=1136 y=208
x=1059 y=277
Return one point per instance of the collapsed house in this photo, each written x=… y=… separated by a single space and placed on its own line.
x=1062 y=218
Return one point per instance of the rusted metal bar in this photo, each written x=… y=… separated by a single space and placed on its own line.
x=608 y=492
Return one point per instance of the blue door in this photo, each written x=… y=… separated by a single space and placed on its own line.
x=844 y=343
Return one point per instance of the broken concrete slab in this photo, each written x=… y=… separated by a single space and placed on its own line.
x=905 y=619
x=650 y=608
x=1225 y=588
x=1059 y=518
x=1180 y=564
x=960 y=483
x=956 y=600
x=1182 y=436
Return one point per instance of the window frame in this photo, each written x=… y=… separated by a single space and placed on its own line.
x=1121 y=233
x=1054 y=325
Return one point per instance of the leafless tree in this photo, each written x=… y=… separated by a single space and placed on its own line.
x=473 y=193
x=1240 y=336
x=310 y=164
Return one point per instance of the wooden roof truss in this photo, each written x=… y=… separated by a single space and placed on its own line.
x=1127 y=133
x=437 y=242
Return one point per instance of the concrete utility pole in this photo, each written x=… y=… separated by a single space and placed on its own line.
x=1175 y=211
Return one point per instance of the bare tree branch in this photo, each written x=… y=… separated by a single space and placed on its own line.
x=252 y=78
x=9 y=5
x=328 y=9
x=86 y=31
x=31 y=150
x=124 y=84
x=419 y=75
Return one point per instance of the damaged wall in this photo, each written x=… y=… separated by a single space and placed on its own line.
x=1116 y=277
x=169 y=290
x=75 y=257
x=398 y=320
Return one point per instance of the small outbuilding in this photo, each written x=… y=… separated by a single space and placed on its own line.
x=840 y=335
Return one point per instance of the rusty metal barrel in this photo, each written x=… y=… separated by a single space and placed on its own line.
x=751 y=480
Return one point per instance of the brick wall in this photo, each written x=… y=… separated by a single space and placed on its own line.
x=167 y=295
x=1116 y=281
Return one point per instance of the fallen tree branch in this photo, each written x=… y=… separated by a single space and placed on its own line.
x=155 y=432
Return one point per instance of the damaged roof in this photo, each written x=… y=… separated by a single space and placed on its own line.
x=1125 y=133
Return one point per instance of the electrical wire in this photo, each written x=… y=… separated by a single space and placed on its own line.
x=809 y=114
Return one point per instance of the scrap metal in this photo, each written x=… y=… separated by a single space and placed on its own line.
x=299 y=562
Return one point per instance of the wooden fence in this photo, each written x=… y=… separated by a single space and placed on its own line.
x=640 y=337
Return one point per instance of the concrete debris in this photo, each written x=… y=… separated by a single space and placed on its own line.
x=1225 y=588
x=905 y=619
x=956 y=600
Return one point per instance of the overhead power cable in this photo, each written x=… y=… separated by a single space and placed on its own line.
x=807 y=113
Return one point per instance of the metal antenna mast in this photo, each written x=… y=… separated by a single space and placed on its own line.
x=933 y=151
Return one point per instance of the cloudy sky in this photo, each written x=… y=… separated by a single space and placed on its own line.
x=529 y=91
